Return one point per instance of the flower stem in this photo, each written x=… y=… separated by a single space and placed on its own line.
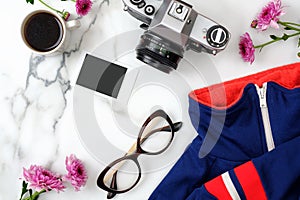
x=265 y=44
x=285 y=37
x=290 y=25
x=35 y=195
x=58 y=11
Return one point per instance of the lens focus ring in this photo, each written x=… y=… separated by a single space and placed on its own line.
x=158 y=53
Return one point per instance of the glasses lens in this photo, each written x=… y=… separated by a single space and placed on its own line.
x=156 y=136
x=125 y=173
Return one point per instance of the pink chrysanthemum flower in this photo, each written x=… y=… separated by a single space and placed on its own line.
x=269 y=16
x=83 y=7
x=40 y=178
x=247 y=49
x=77 y=174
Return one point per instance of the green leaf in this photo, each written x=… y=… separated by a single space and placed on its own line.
x=298 y=42
x=30 y=194
x=30 y=1
x=287 y=28
x=24 y=186
x=24 y=189
x=273 y=37
x=285 y=37
x=298 y=54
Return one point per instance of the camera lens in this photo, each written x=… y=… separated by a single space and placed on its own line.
x=158 y=53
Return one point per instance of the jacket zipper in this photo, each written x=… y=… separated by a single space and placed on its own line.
x=262 y=93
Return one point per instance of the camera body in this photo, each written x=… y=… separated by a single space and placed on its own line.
x=171 y=27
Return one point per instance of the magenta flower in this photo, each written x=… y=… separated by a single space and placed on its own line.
x=83 y=7
x=77 y=174
x=269 y=16
x=247 y=49
x=40 y=178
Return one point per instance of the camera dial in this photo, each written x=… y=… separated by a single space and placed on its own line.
x=149 y=10
x=217 y=36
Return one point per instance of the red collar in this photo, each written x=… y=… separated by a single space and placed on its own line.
x=224 y=95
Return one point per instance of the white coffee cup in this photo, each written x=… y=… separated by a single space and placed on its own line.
x=46 y=32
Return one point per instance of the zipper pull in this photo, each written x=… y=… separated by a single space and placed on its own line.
x=262 y=93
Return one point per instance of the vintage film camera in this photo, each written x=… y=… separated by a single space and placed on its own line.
x=172 y=27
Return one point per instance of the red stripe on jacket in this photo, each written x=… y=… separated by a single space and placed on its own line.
x=217 y=188
x=250 y=181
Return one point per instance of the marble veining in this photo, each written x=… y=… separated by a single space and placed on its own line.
x=40 y=86
x=22 y=100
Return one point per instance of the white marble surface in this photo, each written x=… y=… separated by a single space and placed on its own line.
x=36 y=93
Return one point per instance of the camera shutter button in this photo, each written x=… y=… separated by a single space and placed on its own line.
x=149 y=10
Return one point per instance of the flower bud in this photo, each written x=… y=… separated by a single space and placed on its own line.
x=254 y=23
x=66 y=15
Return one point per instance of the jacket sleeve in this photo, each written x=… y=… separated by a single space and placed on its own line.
x=274 y=175
x=184 y=177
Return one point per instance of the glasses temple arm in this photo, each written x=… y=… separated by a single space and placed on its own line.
x=113 y=185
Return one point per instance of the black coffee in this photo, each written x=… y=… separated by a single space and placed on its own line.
x=43 y=32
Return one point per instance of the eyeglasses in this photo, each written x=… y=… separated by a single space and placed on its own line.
x=154 y=137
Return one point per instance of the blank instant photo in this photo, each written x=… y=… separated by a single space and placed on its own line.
x=101 y=76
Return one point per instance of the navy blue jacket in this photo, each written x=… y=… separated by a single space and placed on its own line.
x=248 y=143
